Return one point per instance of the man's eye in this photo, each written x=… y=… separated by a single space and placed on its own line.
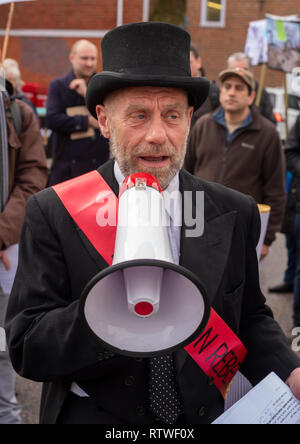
x=138 y=116
x=173 y=116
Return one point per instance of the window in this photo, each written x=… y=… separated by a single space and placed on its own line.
x=213 y=13
x=272 y=99
x=294 y=102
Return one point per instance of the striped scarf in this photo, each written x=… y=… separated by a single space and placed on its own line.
x=3 y=155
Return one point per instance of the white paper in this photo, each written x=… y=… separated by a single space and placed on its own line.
x=269 y=402
x=256 y=46
x=7 y=277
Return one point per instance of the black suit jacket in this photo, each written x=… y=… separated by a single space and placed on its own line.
x=48 y=341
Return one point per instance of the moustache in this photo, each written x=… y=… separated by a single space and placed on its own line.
x=154 y=150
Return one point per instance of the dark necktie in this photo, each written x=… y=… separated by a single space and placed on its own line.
x=164 y=398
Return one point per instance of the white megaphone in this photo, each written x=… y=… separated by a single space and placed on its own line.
x=144 y=304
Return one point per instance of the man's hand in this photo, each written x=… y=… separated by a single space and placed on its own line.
x=264 y=251
x=293 y=382
x=80 y=86
x=4 y=259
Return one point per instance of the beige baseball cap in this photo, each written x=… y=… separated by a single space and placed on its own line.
x=244 y=74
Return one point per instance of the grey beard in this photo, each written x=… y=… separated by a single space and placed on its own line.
x=163 y=177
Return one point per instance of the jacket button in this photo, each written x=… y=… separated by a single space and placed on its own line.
x=129 y=381
x=201 y=412
x=140 y=411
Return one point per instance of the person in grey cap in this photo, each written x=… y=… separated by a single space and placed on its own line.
x=144 y=100
x=241 y=60
x=239 y=148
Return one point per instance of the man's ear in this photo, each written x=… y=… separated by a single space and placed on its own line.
x=71 y=58
x=190 y=115
x=103 y=120
x=252 y=97
x=199 y=60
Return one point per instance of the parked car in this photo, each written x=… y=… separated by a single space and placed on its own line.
x=278 y=102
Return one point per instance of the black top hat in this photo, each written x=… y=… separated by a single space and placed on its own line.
x=146 y=54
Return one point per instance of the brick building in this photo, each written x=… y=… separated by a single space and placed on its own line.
x=219 y=28
x=43 y=31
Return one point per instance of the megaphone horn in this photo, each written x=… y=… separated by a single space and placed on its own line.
x=144 y=304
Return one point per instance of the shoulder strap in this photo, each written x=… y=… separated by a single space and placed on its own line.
x=214 y=94
x=16 y=117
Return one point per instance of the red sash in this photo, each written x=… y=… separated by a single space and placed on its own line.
x=85 y=198
x=90 y=202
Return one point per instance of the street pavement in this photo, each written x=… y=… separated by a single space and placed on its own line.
x=271 y=273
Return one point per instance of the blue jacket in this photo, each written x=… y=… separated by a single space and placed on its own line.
x=71 y=158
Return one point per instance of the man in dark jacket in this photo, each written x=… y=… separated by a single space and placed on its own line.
x=241 y=60
x=86 y=380
x=291 y=226
x=212 y=102
x=240 y=149
x=77 y=145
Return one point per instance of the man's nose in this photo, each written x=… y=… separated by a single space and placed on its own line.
x=156 y=132
x=89 y=62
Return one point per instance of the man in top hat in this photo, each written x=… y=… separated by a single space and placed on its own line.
x=143 y=100
x=239 y=148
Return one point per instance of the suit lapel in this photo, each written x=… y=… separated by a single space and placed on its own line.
x=107 y=172
x=206 y=256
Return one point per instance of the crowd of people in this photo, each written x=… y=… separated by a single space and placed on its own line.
x=220 y=136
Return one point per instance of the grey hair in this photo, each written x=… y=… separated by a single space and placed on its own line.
x=237 y=57
x=12 y=67
x=10 y=62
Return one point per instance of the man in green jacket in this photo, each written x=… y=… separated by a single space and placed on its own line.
x=237 y=147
